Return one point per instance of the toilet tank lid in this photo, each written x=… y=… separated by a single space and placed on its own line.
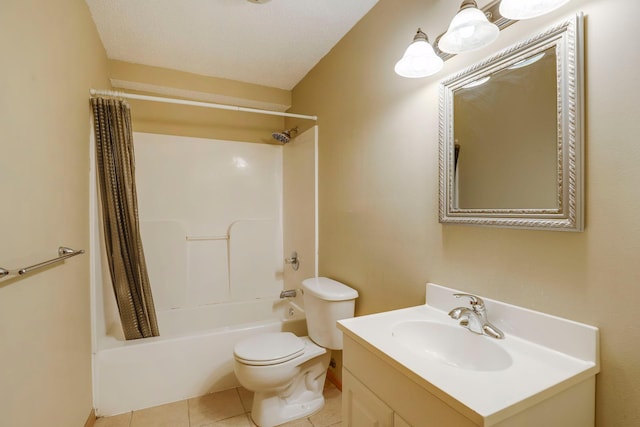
x=328 y=289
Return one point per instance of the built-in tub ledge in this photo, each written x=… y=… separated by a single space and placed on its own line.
x=484 y=379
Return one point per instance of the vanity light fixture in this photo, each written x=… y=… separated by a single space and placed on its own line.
x=469 y=30
x=525 y=9
x=419 y=60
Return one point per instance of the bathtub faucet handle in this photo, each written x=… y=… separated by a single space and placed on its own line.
x=288 y=293
x=293 y=260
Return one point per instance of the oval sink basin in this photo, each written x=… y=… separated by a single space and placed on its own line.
x=453 y=345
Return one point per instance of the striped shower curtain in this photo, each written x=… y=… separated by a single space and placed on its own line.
x=116 y=176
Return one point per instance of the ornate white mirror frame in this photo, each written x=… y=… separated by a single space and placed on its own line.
x=566 y=39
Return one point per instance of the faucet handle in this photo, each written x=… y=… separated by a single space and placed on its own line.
x=476 y=301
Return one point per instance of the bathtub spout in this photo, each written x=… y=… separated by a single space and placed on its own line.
x=288 y=294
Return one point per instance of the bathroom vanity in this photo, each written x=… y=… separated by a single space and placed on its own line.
x=418 y=367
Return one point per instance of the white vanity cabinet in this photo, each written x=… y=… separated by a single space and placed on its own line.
x=543 y=373
x=361 y=407
x=375 y=394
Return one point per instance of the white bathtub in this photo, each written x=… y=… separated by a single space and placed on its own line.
x=193 y=356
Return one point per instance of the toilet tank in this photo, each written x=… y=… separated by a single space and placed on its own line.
x=325 y=302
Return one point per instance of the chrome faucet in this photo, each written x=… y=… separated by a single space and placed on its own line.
x=475 y=318
x=290 y=293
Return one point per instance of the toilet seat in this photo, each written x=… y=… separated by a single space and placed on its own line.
x=269 y=349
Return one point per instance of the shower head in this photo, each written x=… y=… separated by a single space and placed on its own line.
x=285 y=135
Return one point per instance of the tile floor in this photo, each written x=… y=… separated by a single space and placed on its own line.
x=230 y=408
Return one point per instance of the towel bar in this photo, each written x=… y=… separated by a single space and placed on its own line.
x=63 y=253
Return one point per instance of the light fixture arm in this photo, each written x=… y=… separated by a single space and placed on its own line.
x=467 y=4
x=420 y=35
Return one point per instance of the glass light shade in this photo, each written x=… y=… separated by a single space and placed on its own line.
x=525 y=9
x=419 y=60
x=469 y=30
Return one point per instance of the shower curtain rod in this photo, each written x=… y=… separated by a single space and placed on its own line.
x=118 y=94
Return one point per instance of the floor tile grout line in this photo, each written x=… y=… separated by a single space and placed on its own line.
x=188 y=412
x=246 y=412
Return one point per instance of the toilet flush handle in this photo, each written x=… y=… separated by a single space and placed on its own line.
x=293 y=260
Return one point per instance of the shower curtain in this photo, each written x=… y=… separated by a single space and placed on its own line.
x=116 y=176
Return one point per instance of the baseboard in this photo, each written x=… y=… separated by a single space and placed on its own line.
x=91 y=419
x=333 y=378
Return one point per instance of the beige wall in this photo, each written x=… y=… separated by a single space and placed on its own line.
x=378 y=154
x=169 y=119
x=51 y=57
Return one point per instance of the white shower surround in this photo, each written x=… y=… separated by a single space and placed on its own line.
x=199 y=326
x=210 y=218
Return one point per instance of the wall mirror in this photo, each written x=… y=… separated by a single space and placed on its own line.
x=511 y=135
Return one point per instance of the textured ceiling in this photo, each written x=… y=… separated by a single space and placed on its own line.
x=273 y=44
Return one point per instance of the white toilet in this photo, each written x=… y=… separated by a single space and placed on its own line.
x=286 y=372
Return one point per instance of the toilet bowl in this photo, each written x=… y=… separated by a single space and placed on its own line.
x=285 y=388
x=286 y=372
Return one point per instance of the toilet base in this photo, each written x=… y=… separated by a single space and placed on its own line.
x=284 y=413
x=301 y=399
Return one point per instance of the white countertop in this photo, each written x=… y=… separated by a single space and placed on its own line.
x=549 y=354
